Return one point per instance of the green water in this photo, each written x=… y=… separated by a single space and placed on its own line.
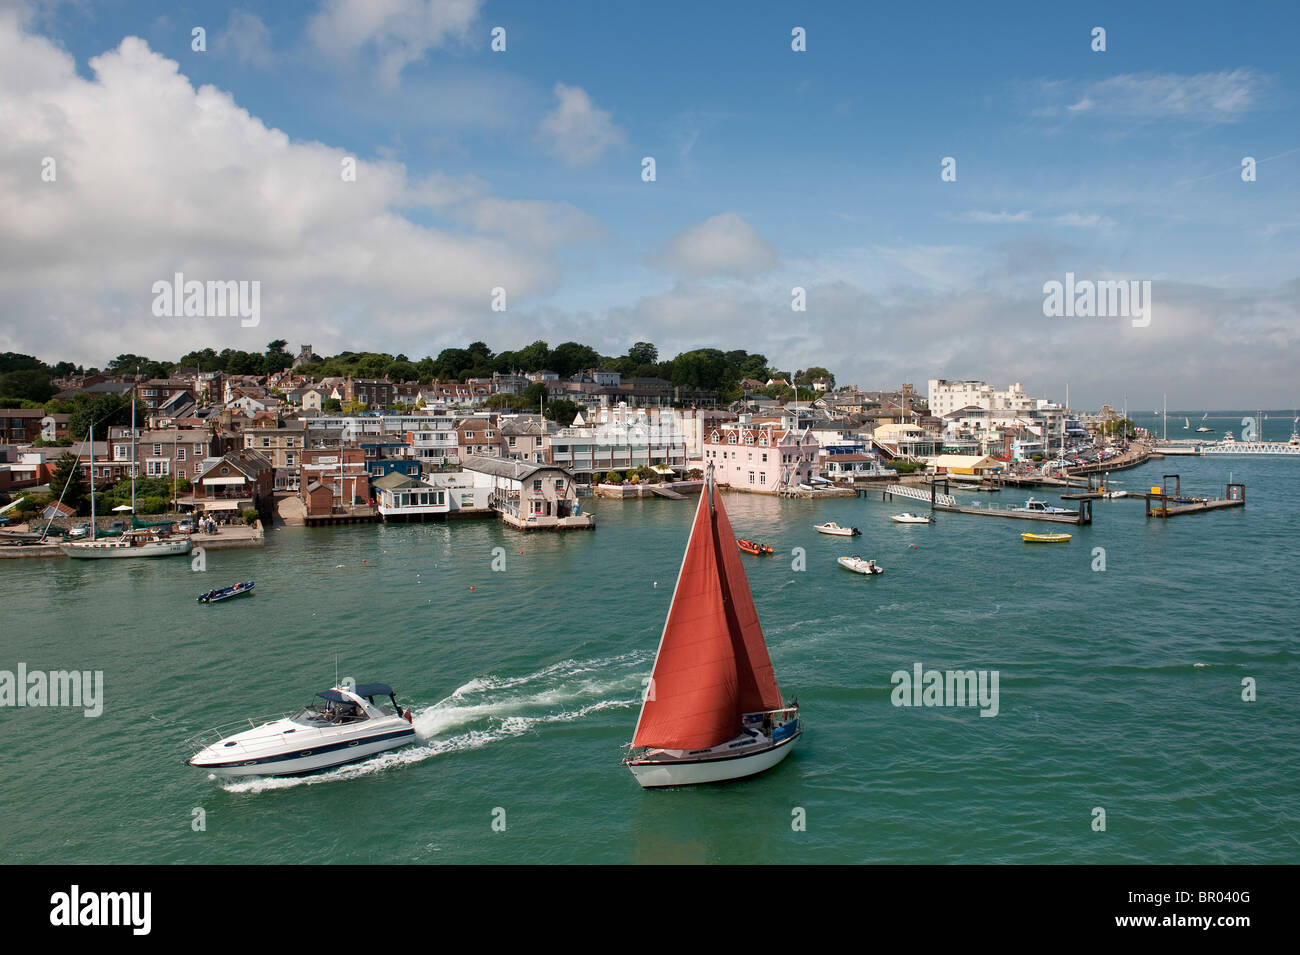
x=1119 y=689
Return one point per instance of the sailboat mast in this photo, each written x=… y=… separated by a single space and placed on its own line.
x=133 y=442
x=92 y=480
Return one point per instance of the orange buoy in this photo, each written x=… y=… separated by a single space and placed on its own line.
x=471 y=587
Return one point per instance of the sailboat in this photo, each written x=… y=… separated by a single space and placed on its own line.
x=144 y=542
x=1187 y=424
x=713 y=710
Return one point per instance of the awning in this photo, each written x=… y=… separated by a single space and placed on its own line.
x=220 y=505
x=223 y=480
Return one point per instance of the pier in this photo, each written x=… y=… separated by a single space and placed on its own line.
x=1082 y=516
x=1168 y=505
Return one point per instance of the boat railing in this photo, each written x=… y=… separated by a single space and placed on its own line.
x=205 y=738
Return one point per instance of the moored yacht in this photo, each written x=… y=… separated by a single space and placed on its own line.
x=1032 y=506
x=347 y=727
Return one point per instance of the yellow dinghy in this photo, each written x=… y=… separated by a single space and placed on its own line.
x=1045 y=538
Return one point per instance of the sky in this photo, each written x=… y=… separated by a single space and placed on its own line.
x=129 y=154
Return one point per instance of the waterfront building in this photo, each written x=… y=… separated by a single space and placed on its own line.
x=233 y=482
x=619 y=439
x=526 y=495
x=763 y=459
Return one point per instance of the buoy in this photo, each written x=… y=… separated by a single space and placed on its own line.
x=471 y=586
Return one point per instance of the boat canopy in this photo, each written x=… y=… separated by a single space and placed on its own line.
x=334 y=696
x=373 y=689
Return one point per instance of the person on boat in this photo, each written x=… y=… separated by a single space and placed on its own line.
x=871 y=566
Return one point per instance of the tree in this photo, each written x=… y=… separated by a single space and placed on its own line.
x=101 y=411
x=534 y=395
x=561 y=411
x=331 y=406
x=28 y=385
x=276 y=358
x=572 y=357
x=534 y=357
x=503 y=402
x=66 y=481
x=643 y=353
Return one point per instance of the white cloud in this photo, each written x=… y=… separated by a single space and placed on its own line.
x=155 y=176
x=247 y=38
x=722 y=245
x=993 y=218
x=1221 y=97
x=397 y=32
x=577 y=131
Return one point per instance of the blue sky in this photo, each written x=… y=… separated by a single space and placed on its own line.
x=775 y=169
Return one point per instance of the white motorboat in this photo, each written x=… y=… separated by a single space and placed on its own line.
x=138 y=543
x=909 y=518
x=347 y=727
x=1032 y=506
x=830 y=527
x=1111 y=495
x=860 y=566
x=713 y=710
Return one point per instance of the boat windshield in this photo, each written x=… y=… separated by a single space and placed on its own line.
x=329 y=714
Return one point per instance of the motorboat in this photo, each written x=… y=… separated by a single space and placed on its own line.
x=1045 y=538
x=860 y=566
x=1112 y=495
x=830 y=527
x=753 y=547
x=713 y=710
x=909 y=518
x=345 y=727
x=1032 y=506
x=225 y=593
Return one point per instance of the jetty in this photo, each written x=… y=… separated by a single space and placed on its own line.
x=1164 y=504
x=937 y=503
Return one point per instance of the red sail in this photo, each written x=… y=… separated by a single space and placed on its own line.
x=712 y=664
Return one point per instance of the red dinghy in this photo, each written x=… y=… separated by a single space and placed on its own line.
x=713 y=710
x=753 y=547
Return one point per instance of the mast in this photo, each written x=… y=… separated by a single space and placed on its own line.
x=1165 y=416
x=133 y=442
x=92 y=480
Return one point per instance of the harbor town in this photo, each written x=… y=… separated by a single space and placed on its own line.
x=239 y=453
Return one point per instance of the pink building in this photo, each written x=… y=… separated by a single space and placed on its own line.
x=760 y=459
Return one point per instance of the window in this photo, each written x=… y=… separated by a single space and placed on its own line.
x=198 y=447
x=731 y=438
x=266 y=442
x=198 y=468
x=765 y=459
x=288 y=460
x=751 y=477
x=537 y=484
x=157 y=450
x=762 y=477
x=180 y=454
x=488 y=434
x=511 y=441
x=469 y=435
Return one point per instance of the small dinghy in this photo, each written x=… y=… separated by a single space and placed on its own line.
x=753 y=547
x=1044 y=538
x=860 y=566
x=225 y=593
x=909 y=518
x=830 y=527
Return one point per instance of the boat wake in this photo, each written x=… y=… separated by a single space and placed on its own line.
x=490 y=709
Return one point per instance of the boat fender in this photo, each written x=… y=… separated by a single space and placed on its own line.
x=409 y=718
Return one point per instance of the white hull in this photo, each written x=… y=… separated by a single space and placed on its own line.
x=308 y=764
x=834 y=531
x=655 y=775
x=900 y=519
x=114 y=548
